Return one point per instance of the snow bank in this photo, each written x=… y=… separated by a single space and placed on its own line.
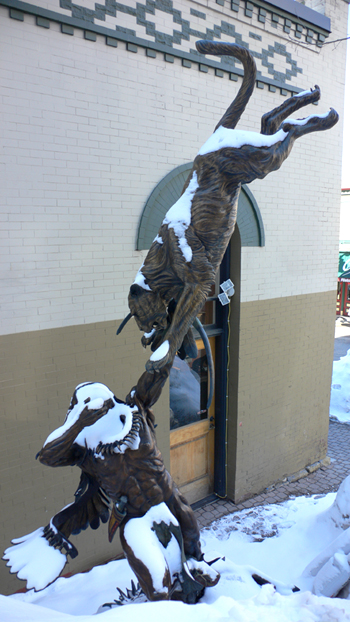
x=340 y=391
x=276 y=541
x=340 y=510
x=268 y=606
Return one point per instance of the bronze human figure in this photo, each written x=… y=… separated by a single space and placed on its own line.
x=123 y=479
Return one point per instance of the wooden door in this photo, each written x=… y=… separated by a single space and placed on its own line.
x=192 y=446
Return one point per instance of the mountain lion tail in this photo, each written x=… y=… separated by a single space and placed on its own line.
x=236 y=109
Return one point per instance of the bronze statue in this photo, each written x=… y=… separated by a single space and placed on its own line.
x=124 y=480
x=179 y=270
x=123 y=476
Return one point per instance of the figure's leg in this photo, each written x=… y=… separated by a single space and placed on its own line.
x=200 y=570
x=271 y=121
x=183 y=512
x=314 y=123
x=153 y=546
x=149 y=565
x=251 y=163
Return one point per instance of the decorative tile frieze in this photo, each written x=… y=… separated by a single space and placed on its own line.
x=271 y=71
x=264 y=12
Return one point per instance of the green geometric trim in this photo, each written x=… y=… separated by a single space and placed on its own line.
x=167 y=192
x=112 y=37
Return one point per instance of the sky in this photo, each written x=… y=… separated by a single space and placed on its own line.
x=346 y=135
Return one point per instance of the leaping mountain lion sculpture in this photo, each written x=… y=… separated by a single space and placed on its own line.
x=179 y=270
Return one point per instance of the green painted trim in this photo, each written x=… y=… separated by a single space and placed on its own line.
x=19 y=15
x=68 y=30
x=166 y=193
x=41 y=21
x=17 y=8
x=259 y=225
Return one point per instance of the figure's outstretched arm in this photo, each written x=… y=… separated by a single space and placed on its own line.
x=40 y=556
x=148 y=389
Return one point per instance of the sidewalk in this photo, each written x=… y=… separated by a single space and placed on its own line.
x=325 y=479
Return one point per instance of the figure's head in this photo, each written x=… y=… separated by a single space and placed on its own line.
x=114 y=427
x=148 y=309
x=150 y=313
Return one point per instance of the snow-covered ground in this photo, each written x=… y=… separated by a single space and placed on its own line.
x=303 y=542
x=340 y=389
x=339 y=407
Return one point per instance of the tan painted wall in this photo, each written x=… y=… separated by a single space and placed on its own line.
x=285 y=366
x=39 y=371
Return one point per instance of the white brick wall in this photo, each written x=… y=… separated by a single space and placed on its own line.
x=89 y=130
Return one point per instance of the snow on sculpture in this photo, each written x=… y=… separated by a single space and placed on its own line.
x=179 y=270
x=123 y=480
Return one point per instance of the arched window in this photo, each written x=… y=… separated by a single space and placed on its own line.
x=167 y=192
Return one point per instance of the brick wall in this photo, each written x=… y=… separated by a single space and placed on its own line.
x=280 y=421
x=89 y=131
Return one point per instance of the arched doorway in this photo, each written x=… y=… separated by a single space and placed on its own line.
x=198 y=437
